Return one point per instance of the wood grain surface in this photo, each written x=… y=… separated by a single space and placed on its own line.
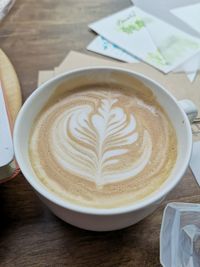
x=37 y=35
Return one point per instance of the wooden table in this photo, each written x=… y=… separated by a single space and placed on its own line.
x=37 y=35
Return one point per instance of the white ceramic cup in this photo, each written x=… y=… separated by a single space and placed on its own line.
x=93 y=218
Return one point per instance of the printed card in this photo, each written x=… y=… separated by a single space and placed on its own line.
x=129 y=29
x=102 y=46
x=177 y=47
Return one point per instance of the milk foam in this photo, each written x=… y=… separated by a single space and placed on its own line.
x=92 y=146
x=95 y=139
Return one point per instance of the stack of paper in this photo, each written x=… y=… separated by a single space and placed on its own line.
x=133 y=35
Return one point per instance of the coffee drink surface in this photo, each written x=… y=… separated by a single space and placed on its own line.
x=103 y=145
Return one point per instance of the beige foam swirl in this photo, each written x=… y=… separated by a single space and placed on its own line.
x=88 y=141
x=101 y=137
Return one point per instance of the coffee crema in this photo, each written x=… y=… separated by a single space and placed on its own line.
x=103 y=145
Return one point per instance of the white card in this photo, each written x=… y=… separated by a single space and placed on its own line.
x=195 y=160
x=176 y=46
x=189 y=14
x=102 y=46
x=162 y=9
x=127 y=30
x=6 y=146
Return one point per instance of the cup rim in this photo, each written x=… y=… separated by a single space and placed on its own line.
x=147 y=201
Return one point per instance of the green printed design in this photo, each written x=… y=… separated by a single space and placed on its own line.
x=156 y=58
x=130 y=24
x=174 y=48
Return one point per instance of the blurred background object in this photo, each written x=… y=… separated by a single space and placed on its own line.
x=180 y=235
x=5 y=6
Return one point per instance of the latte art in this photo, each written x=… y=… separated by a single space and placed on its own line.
x=102 y=147
x=90 y=141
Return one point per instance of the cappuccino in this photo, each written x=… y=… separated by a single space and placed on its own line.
x=103 y=145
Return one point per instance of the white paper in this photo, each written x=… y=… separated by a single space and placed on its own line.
x=176 y=46
x=127 y=30
x=6 y=146
x=161 y=9
x=195 y=161
x=102 y=46
x=190 y=15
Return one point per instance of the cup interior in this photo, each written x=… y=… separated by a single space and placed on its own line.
x=37 y=100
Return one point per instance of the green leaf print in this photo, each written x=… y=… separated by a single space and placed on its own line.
x=130 y=24
x=156 y=58
x=176 y=46
x=172 y=49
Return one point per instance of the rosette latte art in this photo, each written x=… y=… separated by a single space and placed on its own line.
x=102 y=146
